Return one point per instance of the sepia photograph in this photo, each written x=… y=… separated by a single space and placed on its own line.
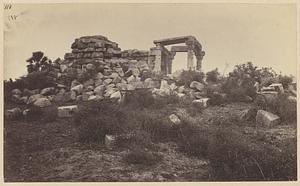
x=149 y=92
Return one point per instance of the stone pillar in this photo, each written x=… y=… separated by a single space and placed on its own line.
x=190 y=55
x=158 y=57
x=199 y=60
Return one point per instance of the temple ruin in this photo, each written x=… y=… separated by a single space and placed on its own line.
x=162 y=57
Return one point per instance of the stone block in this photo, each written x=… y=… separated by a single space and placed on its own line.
x=67 y=111
x=110 y=141
x=267 y=119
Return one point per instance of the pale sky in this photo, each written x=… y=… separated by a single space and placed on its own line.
x=229 y=33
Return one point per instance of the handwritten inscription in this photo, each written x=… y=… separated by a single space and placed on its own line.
x=7 y=6
x=11 y=16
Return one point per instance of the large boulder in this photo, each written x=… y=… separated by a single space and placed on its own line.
x=267 y=119
x=78 y=89
x=99 y=90
x=197 y=85
x=107 y=81
x=89 y=82
x=34 y=97
x=42 y=102
x=248 y=114
x=98 y=82
x=116 y=95
x=149 y=83
x=16 y=92
x=48 y=91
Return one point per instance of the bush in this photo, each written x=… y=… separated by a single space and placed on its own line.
x=283 y=107
x=49 y=114
x=96 y=119
x=143 y=157
x=34 y=113
x=212 y=76
x=233 y=157
x=141 y=98
x=192 y=139
x=216 y=99
x=187 y=76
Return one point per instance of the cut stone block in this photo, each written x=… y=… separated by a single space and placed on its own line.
x=109 y=141
x=267 y=119
x=67 y=111
x=174 y=119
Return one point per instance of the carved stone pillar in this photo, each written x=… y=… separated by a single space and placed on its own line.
x=158 y=58
x=190 y=56
x=199 y=60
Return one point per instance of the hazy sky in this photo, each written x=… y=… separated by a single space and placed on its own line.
x=229 y=33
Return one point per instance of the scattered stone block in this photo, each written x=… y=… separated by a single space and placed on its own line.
x=203 y=102
x=110 y=141
x=78 y=89
x=248 y=114
x=267 y=119
x=13 y=113
x=174 y=119
x=47 y=91
x=67 y=111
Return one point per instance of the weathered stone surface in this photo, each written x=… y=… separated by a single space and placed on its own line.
x=181 y=89
x=197 y=85
x=248 y=114
x=75 y=83
x=23 y=99
x=67 y=111
x=87 y=95
x=90 y=66
x=63 y=67
x=98 y=82
x=110 y=141
x=42 y=102
x=107 y=81
x=99 y=76
x=16 y=92
x=149 y=83
x=99 y=90
x=202 y=101
x=116 y=95
x=173 y=87
x=73 y=95
x=89 y=88
x=109 y=92
x=16 y=98
x=267 y=119
x=131 y=79
x=174 y=119
x=78 y=89
x=33 y=98
x=88 y=83
x=117 y=80
x=48 y=91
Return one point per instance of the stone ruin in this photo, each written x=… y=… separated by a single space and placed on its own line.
x=97 y=69
x=98 y=50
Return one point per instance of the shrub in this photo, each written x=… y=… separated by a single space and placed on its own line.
x=285 y=80
x=49 y=114
x=233 y=157
x=192 y=139
x=216 y=99
x=212 y=76
x=283 y=107
x=96 y=119
x=187 y=76
x=34 y=113
x=141 y=98
x=143 y=157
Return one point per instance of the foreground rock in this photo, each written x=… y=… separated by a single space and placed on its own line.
x=67 y=111
x=109 y=141
x=42 y=102
x=248 y=114
x=203 y=102
x=267 y=119
x=197 y=85
x=174 y=119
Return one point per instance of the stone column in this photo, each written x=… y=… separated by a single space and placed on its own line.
x=199 y=60
x=157 y=62
x=190 y=56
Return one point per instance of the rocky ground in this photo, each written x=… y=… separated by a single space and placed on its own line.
x=36 y=151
